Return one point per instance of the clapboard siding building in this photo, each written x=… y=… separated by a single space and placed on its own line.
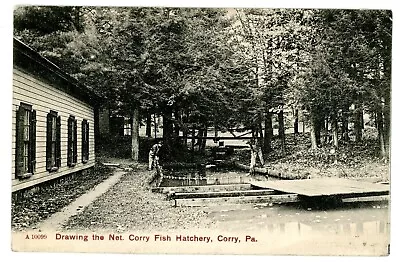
x=53 y=120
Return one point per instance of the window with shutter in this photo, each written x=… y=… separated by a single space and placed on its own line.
x=32 y=146
x=85 y=141
x=72 y=147
x=53 y=141
x=69 y=145
x=58 y=142
x=75 y=137
x=25 y=142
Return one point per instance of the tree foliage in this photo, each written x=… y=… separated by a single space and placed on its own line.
x=224 y=68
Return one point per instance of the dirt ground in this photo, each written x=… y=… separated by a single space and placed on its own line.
x=130 y=205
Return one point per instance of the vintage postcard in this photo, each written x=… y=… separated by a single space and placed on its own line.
x=171 y=130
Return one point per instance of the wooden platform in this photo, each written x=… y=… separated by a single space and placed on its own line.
x=218 y=201
x=232 y=193
x=341 y=187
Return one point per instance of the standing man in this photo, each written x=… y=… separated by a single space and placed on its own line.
x=255 y=149
x=154 y=154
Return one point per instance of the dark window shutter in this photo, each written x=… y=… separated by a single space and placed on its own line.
x=75 y=141
x=69 y=147
x=32 y=149
x=48 y=140
x=58 y=142
x=83 y=140
x=87 y=140
x=19 y=142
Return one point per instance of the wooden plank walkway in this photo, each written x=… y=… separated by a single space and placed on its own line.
x=340 y=187
x=210 y=201
x=232 y=193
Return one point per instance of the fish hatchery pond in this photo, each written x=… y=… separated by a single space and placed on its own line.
x=202 y=176
x=353 y=228
x=367 y=222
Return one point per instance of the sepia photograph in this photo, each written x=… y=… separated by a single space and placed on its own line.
x=199 y=130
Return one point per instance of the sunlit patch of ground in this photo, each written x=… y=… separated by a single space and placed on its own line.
x=351 y=160
x=130 y=205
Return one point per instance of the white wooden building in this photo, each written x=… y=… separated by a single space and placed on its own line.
x=53 y=121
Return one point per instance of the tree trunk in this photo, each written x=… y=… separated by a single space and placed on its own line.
x=185 y=135
x=326 y=130
x=204 y=140
x=167 y=131
x=296 y=122
x=261 y=139
x=362 y=120
x=334 y=124
x=135 y=134
x=379 y=121
x=177 y=127
x=199 y=139
x=215 y=133
x=313 y=132
x=155 y=125
x=345 y=124
x=270 y=126
x=318 y=123
x=253 y=153
x=335 y=131
x=268 y=133
x=253 y=158
x=387 y=65
x=193 y=140
x=281 y=130
x=312 y=136
x=259 y=151
x=358 y=115
x=185 y=129
x=386 y=122
x=148 y=125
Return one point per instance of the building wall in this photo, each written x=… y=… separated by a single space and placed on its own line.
x=44 y=97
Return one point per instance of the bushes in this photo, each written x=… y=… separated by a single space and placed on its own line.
x=351 y=159
x=120 y=147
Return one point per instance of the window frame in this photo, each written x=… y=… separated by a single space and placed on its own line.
x=53 y=141
x=25 y=141
x=85 y=141
x=72 y=150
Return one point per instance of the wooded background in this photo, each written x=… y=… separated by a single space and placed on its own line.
x=226 y=68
